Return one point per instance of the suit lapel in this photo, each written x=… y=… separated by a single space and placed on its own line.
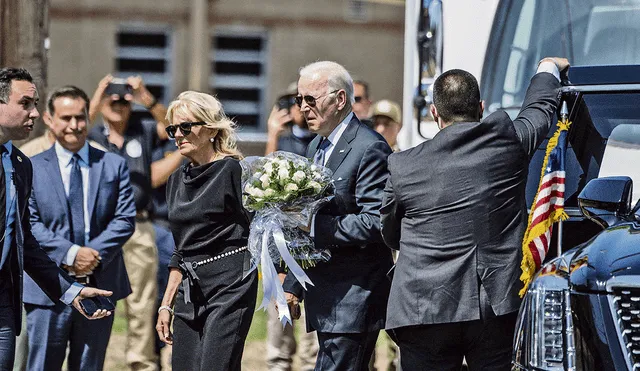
x=21 y=194
x=53 y=170
x=343 y=147
x=95 y=173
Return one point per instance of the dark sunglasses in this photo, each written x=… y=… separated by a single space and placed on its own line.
x=185 y=128
x=311 y=100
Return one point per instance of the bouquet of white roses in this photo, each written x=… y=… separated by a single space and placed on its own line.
x=285 y=190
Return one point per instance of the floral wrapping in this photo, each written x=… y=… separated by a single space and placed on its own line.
x=284 y=190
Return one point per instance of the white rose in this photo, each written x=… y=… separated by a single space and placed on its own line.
x=316 y=175
x=268 y=167
x=283 y=174
x=248 y=188
x=257 y=175
x=257 y=193
x=284 y=164
x=315 y=185
x=291 y=187
x=298 y=176
x=314 y=168
x=269 y=192
x=265 y=180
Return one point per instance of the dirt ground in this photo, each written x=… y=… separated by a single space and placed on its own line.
x=253 y=359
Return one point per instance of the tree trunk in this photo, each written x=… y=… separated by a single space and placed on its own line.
x=24 y=27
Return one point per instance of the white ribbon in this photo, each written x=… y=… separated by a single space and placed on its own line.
x=271 y=284
x=301 y=276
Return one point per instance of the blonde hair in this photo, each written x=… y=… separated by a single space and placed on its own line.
x=206 y=108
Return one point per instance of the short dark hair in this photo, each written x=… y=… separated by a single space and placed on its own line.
x=68 y=91
x=9 y=74
x=365 y=85
x=456 y=95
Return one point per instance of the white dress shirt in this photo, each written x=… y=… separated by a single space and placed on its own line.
x=64 y=161
x=335 y=136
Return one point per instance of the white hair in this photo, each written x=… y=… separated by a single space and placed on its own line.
x=337 y=76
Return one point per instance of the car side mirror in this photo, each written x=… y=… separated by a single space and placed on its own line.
x=606 y=200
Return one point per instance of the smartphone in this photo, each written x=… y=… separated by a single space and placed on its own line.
x=118 y=87
x=91 y=305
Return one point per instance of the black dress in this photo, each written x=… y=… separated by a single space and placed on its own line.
x=214 y=305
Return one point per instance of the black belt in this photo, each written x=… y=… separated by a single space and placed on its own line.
x=189 y=276
x=84 y=280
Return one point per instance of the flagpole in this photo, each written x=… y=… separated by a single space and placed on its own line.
x=564 y=116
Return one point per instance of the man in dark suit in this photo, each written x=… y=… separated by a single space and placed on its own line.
x=347 y=303
x=455 y=208
x=19 y=249
x=82 y=212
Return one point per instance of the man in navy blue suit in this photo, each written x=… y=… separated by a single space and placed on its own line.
x=347 y=304
x=82 y=212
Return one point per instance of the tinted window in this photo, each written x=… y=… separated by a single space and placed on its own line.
x=603 y=124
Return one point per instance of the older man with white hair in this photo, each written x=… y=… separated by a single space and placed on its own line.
x=346 y=305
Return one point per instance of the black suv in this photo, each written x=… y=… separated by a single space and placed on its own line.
x=582 y=310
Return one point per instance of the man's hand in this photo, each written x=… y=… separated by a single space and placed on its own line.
x=141 y=95
x=294 y=305
x=86 y=260
x=99 y=98
x=561 y=63
x=163 y=327
x=277 y=121
x=89 y=292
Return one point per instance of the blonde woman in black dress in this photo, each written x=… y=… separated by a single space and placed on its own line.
x=211 y=303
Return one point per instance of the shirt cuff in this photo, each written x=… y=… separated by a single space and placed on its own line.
x=549 y=67
x=71 y=255
x=312 y=232
x=71 y=293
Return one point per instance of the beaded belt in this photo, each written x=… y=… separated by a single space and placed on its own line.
x=189 y=270
x=217 y=257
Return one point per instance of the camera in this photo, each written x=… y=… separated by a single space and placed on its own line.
x=118 y=87
x=285 y=103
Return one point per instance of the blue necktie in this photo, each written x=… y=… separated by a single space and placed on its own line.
x=76 y=202
x=318 y=158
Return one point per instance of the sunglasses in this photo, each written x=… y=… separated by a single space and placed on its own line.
x=185 y=128
x=311 y=100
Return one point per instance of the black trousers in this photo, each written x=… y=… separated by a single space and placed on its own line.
x=487 y=344
x=345 y=352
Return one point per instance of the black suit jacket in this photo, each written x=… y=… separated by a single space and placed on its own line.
x=455 y=208
x=351 y=290
x=26 y=254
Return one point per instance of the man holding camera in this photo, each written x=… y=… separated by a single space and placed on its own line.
x=135 y=141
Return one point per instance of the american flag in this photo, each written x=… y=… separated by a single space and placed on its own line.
x=548 y=205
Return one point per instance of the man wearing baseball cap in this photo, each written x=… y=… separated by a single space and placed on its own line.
x=387 y=120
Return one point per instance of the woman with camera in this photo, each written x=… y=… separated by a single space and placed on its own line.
x=212 y=303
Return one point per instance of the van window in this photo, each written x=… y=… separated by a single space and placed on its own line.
x=587 y=32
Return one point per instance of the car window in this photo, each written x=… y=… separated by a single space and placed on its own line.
x=622 y=156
